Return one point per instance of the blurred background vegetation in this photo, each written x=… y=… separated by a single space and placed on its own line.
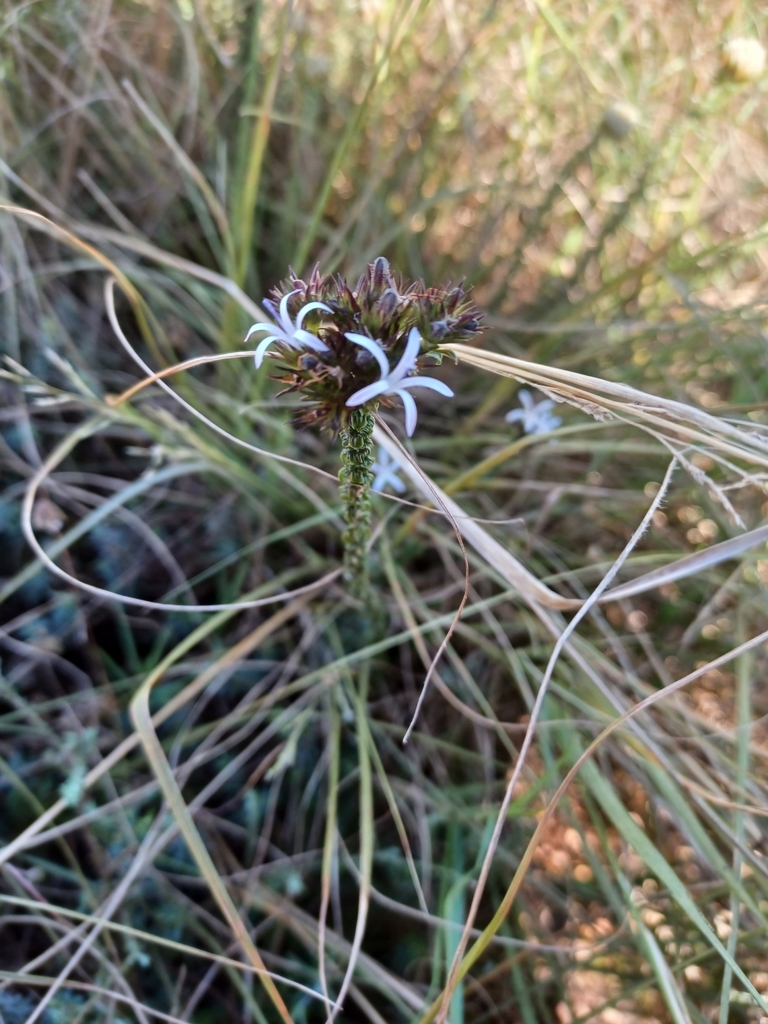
x=597 y=172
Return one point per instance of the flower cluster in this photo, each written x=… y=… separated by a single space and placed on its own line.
x=343 y=347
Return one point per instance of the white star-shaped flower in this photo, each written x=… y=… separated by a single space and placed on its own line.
x=535 y=417
x=385 y=469
x=286 y=331
x=396 y=382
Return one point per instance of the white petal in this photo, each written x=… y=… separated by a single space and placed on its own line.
x=408 y=358
x=366 y=394
x=410 y=412
x=526 y=399
x=309 y=340
x=261 y=327
x=388 y=477
x=514 y=415
x=547 y=424
x=261 y=349
x=373 y=347
x=308 y=309
x=426 y=382
x=285 y=320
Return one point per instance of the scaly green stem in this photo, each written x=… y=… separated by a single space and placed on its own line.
x=356 y=479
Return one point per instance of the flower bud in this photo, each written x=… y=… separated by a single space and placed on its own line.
x=380 y=271
x=363 y=358
x=388 y=302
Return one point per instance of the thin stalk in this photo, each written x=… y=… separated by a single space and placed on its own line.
x=255 y=162
x=745 y=667
x=356 y=478
x=330 y=845
x=367 y=831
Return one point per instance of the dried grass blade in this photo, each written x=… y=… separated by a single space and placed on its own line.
x=536 y=592
x=142 y=720
x=638 y=407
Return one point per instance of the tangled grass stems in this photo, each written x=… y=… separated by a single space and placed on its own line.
x=355 y=946
x=679 y=891
x=532 y=588
x=528 y=738
x=143 y=724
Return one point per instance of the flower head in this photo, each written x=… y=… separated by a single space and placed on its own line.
x=396 y=382
x=385 y=469
x=369 y=344
x=288 y=332
x=535 y=417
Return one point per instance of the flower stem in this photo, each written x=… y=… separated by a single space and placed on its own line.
x=356 y=479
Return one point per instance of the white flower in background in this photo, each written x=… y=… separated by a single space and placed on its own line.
x=396 y=382
x=744 y=59
x=385 y=469
x=286 y=331
x=535 y=417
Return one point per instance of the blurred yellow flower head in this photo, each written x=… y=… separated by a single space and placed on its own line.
x=744 y=59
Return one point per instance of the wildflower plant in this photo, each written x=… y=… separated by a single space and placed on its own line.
x=346 y=351
x=609 y=301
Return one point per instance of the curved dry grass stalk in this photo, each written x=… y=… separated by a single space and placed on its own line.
x=114 y=400
x=48 y=227
x=68 y=444
x=109 y=299
x=76 y=231
x=529 y=586
x=675 y=421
